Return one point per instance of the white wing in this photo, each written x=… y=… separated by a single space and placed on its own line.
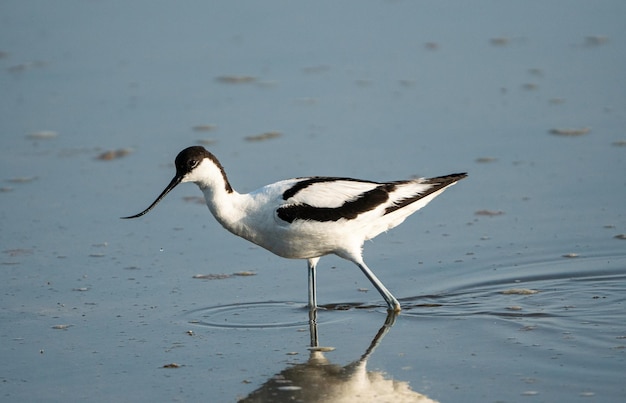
x=326 y=192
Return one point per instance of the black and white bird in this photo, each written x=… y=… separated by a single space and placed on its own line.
x=307 y=218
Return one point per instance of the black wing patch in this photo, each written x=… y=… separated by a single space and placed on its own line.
x=348 y=210
x=365 y=202
x=438 y=184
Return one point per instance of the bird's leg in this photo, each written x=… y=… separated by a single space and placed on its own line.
x=313 y=328
x=389 y=321
x=392 y=303
x=312 y=283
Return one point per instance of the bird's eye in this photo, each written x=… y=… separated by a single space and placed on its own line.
x=192 y=164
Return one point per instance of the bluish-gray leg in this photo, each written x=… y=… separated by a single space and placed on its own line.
x=312 y=283
x=392 y=303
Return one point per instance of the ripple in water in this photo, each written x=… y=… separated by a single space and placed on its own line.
x=566 y=289
x=255 y=315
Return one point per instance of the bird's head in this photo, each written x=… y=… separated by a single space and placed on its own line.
x=193 y=164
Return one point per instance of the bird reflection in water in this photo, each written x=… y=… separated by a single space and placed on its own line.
x=318 y=380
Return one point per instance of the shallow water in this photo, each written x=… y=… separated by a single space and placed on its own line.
x=513 y=282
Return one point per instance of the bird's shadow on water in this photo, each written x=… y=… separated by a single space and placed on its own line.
x=319 y=380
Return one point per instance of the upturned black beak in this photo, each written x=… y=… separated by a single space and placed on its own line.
x=177 y=179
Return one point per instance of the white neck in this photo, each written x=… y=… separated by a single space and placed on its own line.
x=227 y=205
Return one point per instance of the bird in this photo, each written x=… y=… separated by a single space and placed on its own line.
x=308 y=217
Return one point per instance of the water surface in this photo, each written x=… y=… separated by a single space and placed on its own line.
x=513 y=281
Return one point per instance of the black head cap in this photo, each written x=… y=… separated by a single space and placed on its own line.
x=188 y=159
